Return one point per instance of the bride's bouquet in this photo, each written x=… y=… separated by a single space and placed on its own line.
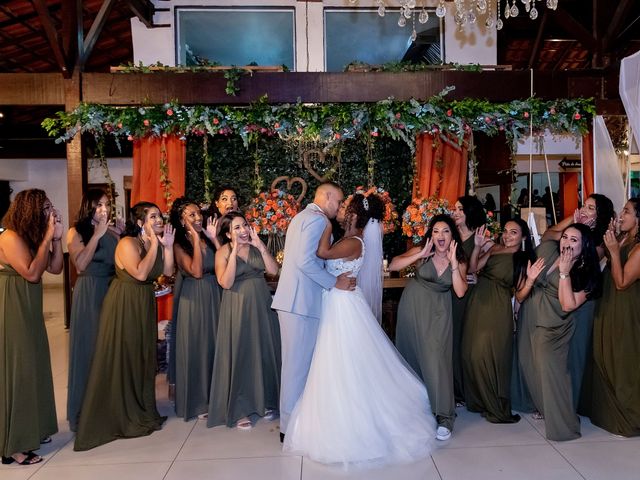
x=271 y=212
x=416 y=218
x=390 y=217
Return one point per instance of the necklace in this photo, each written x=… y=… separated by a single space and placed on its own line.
x=440 y=270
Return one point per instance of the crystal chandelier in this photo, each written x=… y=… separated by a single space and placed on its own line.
x=466 y=12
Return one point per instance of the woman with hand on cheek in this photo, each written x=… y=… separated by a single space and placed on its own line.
x=92 y=245
x=120 y=401
x=30 y=245
x=615 y=403
x=246 y=370
x=196 y=306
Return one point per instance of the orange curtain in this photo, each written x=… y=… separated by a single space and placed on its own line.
x=587 y=164
x=441 y=168
x=147 y=178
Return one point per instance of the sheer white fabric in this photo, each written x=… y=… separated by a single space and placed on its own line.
x=371 y=276
x=361 y=406
x=630 y=92
x=607 y=176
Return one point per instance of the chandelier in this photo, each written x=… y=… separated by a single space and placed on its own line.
x=466 y=12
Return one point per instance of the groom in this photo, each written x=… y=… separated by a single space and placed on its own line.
x=298 y=298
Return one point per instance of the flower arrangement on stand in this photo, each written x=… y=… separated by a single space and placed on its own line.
x=493 y=227
x=390 y=218
x=270 y=214
x=416 y=218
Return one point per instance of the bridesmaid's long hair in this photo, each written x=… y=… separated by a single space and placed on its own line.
x=455 y=235
x=137 y=212
x=474 y=213
x=585 y=273
x=175 y=217
x=523 y=256
x=84 y=225
x=604 y=214
x=27 y=218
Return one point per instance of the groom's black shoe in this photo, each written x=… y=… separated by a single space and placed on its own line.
x=281 y=437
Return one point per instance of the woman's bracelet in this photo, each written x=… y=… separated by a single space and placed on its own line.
x=564 y=275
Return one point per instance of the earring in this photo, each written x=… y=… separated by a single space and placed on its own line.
x=523 y=245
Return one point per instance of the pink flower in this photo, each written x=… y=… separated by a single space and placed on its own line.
x=337 y=136
x=169 y=112
x=577 y=116
x=374 y=134
x=130 y=138
x=487 y=119
x=552 y=111
x=276 y=125
x=526 y=114
x=449 y=113
x=398 y=116
x=120 y=125
x=216 y=121
x=145 y=122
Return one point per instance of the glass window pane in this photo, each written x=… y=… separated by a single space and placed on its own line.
x=362 y=35
x=236 y=37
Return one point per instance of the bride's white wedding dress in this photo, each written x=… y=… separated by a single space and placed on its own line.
x=362 y=405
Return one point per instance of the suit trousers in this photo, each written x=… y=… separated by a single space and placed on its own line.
x=298 y=338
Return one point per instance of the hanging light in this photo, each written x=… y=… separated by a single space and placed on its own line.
x=466 y=12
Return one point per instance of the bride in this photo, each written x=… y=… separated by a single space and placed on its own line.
x=362 y=405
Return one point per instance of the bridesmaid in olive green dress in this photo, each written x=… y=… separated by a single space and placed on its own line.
x=246 y=369
x=120 y=400
x=196 y=308
x=596 y=213
x=424 y=328
x=469 y=214
x=571 y=277
x=91 y=245
x=615 y=403
x=29 y=246
x=487 y=340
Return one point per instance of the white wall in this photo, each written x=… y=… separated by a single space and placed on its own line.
x=13 y=169
x=470 y=45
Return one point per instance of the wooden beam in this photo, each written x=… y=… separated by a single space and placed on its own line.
x=31 y=89
x=570 y=25
x=72 y=32
x=209 y=88
x=52 y=34
x=30 y=51
x=96 y=28
x=535 y=52
x=615 y=23
x=143 y=9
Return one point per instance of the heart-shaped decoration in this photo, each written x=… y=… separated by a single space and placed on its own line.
x=307 y=158
x=290 y=183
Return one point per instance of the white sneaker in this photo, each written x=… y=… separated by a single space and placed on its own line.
x=443 y=433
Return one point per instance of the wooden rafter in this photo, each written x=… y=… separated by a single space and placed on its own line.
x=143 y=9
x=96 y=28
x=569 y=24
x=535 y=53
x=616 y=22
x=19 y=45
x=72 y=31
x=52 y=34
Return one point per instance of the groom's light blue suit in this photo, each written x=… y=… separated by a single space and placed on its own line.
x=298 y=300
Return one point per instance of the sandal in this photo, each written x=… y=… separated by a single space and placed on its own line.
x=30 y=458
x=46 y=440
x=537 y=416
x=203 y=416
x=269 y=415
x=244 y=424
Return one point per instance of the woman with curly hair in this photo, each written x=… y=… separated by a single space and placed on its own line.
x=615 y=402
x=120 y=399
x=487 y=340
x=91 y=245
x=196 y=306
x=424 y=332
x=469 y=215
x=361 y=405
x=30 y=245
x=566 y=275
x=246 y=368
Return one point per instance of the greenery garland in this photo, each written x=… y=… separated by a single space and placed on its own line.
x=330 y=124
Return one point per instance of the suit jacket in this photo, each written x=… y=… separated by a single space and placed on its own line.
x=303 y=275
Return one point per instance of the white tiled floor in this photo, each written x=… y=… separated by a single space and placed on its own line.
x=188 y=450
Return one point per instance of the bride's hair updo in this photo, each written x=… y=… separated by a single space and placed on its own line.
x=365 y=208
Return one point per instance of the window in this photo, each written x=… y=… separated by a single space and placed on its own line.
x=237 y=36
x=362 y=35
